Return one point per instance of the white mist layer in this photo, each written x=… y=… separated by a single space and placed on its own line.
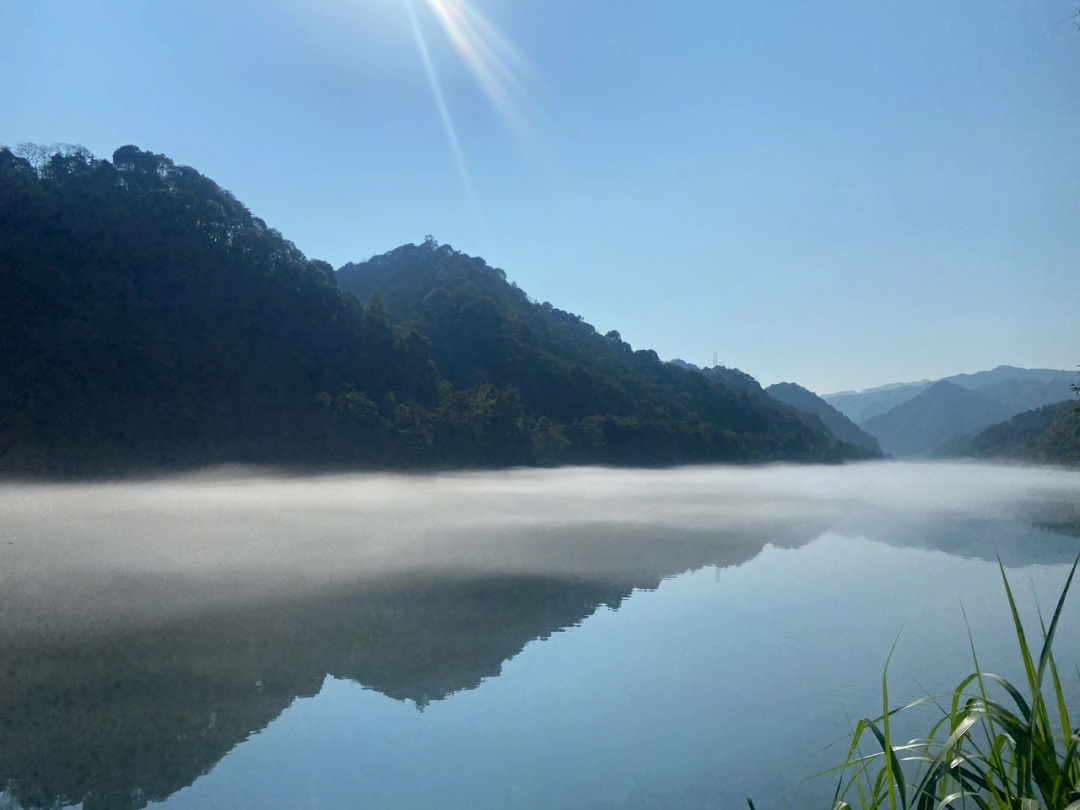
x=144 y=551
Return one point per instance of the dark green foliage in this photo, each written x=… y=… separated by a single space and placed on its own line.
x=148 y=320
x=1048 y=435
x=592 y=396
x=811 y=404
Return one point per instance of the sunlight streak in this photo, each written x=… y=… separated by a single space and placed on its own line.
x=440 y=102
x=494 y=61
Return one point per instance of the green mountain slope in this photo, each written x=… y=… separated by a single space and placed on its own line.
x=1050 y=434
x=814 y=415
x=839 y=425
x=609 y=402
x=148 y=320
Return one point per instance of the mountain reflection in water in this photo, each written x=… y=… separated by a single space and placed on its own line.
x=148 y=628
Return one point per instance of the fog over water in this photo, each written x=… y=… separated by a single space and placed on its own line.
x=76 y=555
x=239 y=638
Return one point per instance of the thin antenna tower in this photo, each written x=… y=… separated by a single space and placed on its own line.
x=714 y=360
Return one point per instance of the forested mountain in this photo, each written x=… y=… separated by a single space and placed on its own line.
x=808 y=408
x=940 y=413
x=839 y=425
x=149 y=320
x=1050 y=434
x=733 y=379
x=593 y=391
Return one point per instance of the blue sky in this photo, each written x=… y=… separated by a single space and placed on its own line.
x=839 y=194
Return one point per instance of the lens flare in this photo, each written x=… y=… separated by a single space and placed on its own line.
x=440 y=103
x=494 y=61
x=498 y=68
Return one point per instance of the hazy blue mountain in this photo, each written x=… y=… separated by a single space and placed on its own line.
x=1017 y=389
x=810 y=403
x=935 y=416
x=1019 y=394
x=859 y=406
x=979 y=379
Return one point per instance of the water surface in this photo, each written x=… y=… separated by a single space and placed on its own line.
x=581 y=638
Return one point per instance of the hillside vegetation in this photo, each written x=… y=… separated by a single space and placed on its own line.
x=1049 y=435
x=148 y=320
x=810 y=403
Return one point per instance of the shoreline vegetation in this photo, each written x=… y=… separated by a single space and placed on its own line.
x=148 y=321
x=995 y=745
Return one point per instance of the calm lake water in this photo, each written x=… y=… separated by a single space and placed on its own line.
x=578 y=638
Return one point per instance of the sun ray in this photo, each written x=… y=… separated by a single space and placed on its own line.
x=440 y=103
x=495 y=63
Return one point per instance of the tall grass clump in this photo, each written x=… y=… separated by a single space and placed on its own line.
x=995 y=745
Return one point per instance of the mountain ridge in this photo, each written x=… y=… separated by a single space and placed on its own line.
x=1046 y=435
x=807 y=401
x=936 y=415
x=149 y=321
x=1013 y=390
x=1017 y=388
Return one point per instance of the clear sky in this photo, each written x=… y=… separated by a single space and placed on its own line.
x=840 y=194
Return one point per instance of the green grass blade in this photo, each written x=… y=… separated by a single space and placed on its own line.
x=1024 y=780
x=946 y=748
x=892 y=774
x=1048 y=641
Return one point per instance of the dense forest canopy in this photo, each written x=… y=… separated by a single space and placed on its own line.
x=1047 y=435
x=616 y=404
x=149 y=320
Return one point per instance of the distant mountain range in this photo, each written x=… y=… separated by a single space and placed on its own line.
x=924 y=423
x=1018 y=389
x=862 y=405
x=149 y=321
x=938 y=417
